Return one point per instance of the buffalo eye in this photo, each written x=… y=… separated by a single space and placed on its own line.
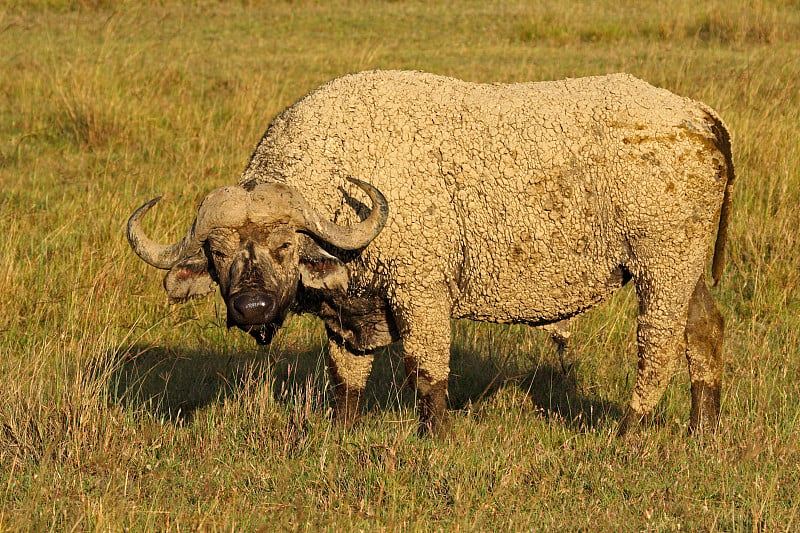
x=281 y=251
x=213 y=257
x=216 y=257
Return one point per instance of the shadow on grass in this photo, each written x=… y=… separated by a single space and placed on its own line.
x=556 y=392
x=551 y=385
x=175 y=383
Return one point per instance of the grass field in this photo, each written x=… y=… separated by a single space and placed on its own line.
x=120 y=412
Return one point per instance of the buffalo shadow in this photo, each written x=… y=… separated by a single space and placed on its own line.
x=547 y=374
x=174 y=383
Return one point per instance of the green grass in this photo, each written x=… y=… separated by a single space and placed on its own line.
x=120 y=412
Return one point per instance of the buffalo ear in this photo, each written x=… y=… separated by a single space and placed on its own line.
x=320 y=270
x=189 y=279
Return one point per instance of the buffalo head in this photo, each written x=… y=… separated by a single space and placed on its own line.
x=258 y=245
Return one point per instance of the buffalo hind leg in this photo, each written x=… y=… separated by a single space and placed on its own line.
x=704 y=336
x=348 y=375
x=660 y=338
x=559 y=334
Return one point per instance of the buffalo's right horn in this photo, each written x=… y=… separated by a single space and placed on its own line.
x=163 y=256
x=222 y=207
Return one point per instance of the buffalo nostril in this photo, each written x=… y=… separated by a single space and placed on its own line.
x=252 y=308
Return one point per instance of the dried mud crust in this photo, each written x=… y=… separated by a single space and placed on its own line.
x=517 y=203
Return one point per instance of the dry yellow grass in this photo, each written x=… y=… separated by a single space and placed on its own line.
x=118 y=411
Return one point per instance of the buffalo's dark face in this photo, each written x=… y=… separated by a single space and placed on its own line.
x=257 y=269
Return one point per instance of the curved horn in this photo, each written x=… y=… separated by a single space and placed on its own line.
x=355 y=236
x=163 y=256
x=222 y=207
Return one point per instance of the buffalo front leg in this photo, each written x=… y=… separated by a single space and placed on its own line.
x=426 y=354
x=704 y=335
x=431 y=398
x=348 y=375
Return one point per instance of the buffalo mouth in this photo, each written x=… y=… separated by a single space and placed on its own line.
x=262 y=333
x=256 y=314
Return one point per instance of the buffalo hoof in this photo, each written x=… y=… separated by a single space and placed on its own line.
x=433 y=417
x=704 y=417
x=633 y=420
x=346 y=406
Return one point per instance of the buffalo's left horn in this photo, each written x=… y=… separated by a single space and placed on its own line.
x=163 y=256
x=349 y=237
